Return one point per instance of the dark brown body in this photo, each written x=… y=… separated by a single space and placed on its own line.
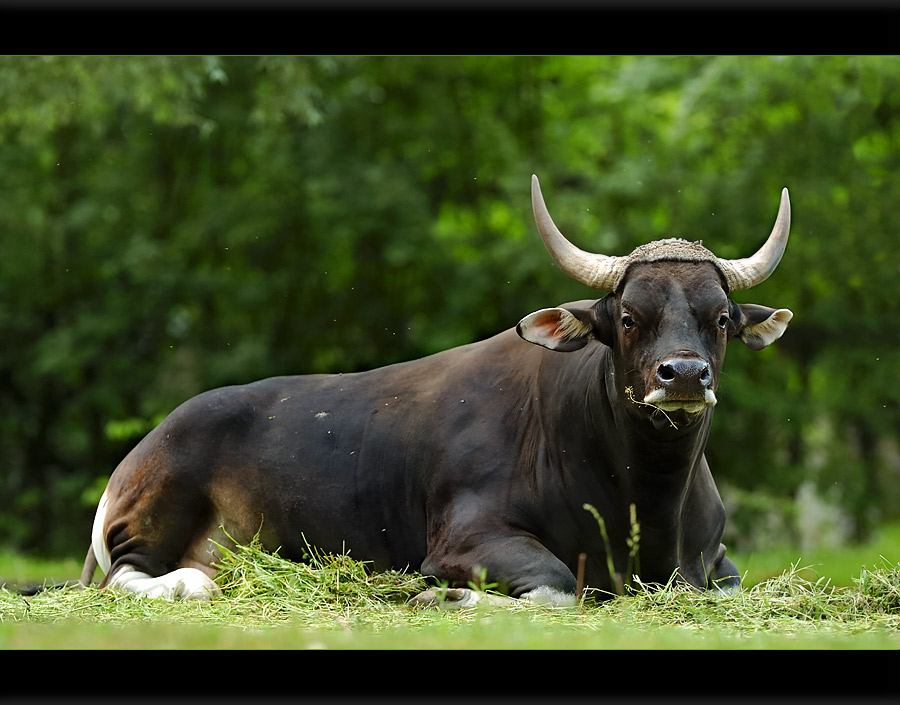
x=479 y=456
x=477 y=462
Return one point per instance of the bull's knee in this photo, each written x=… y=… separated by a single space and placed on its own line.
x=181 y=584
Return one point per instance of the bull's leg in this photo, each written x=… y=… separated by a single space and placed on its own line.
x=520 y=565
x=181 y=583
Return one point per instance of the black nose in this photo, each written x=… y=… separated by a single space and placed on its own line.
x=683 y=372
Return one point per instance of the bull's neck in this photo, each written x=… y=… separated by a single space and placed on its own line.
x=604 y=456
x=656 y=449
x=647 y=462
x=590 y=392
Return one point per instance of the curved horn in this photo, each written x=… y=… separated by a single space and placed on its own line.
x=595 y=271
x=744 y=273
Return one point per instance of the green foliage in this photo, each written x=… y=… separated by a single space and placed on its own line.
x=171 y=224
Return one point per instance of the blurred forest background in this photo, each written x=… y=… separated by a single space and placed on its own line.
x=173 y=224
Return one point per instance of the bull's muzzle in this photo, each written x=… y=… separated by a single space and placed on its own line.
x=682 y=384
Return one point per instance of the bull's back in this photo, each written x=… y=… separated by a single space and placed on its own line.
x=340 y=462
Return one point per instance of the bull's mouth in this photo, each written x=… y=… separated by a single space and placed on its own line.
x=691 y=405
x=675 y=411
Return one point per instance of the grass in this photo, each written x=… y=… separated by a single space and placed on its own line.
x=19 y=569
x=840 y=565
x=336 y=603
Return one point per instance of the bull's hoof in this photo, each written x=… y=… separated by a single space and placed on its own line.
x=726 y=587
x=449 y=599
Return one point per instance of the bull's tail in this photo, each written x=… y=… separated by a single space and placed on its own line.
x=90 y=565
x=31 y=590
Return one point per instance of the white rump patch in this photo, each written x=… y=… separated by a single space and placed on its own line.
x=181 y=584
x=98 y=542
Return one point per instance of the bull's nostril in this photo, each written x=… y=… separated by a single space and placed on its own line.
x=684 y=371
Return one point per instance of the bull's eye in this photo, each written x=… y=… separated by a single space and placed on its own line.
x=628 y=322
x=723 y=321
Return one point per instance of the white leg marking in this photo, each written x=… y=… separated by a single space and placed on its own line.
x=463 y=598
x=101 y=552
x=458 y=598
x=181 y=584
x=544 y=595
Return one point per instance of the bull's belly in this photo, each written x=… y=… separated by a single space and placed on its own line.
x=361 y=524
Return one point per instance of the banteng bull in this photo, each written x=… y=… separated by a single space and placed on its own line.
x=479 y=459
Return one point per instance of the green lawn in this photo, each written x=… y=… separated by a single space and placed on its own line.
x=335 y=604
x=510 y=630
x=840 y=565
x=18 y=569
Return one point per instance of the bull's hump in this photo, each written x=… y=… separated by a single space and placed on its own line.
x=448 y=371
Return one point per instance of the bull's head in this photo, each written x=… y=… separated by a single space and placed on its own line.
x=667 y=318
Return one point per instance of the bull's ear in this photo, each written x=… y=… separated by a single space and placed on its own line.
x=761 y=326
x=557 y=328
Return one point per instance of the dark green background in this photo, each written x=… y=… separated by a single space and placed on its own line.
x=172 y=224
